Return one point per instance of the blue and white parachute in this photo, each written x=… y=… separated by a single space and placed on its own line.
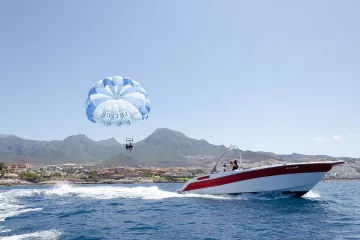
x=117 y=101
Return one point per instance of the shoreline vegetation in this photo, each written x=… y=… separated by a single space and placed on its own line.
x=19 y=182
x=35 y=179
x=126 y=176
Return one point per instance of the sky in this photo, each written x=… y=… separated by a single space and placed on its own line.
x=279 y=76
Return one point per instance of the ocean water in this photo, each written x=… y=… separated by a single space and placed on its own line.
x=154 y=211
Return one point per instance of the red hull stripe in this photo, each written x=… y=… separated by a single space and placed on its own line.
x=203 y=177
x=280 y=170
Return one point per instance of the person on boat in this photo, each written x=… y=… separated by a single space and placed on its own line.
x=235 y=165
x=223 y=169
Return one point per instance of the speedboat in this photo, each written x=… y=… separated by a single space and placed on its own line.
x=287 y=178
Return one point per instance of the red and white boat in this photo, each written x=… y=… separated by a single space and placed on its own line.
x=288 y=178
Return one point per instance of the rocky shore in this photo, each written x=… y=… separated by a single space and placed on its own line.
x=13 y=182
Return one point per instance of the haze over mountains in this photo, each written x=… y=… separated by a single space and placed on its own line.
x=163 y=148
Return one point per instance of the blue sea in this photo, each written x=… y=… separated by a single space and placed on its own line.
x=154 y=211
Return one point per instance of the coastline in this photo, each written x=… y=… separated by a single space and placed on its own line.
x=18 y=182
x=340 y=179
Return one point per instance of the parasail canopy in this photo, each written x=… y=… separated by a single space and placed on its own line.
x=117 y=101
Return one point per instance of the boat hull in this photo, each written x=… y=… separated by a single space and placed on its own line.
x=295 y=179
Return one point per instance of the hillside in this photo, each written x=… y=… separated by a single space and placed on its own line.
x=166 y=147
x=73 y=149
x=162 y=148
x=4 y=135
x=120 y=160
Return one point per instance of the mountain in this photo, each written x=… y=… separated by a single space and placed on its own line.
x=73 y=149
x=5 y=135
x=120 y=160
x=165 y=147
x=162 y=148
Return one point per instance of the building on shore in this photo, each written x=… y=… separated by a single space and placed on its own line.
x=70 y=167
x=17 y=166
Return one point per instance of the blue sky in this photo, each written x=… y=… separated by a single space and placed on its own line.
x=280 y=76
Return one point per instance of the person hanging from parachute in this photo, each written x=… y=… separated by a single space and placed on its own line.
x=129 y=145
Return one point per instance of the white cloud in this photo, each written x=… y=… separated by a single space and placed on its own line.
x=337 y=137
x=352 y=135
x=318 y=139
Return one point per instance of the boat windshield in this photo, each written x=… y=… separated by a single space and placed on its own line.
x=231 y=148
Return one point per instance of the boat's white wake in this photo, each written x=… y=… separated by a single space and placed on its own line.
x=312 y=194
x=146 y=193
x=10 y=206
x=4 y=230
x=13 y=207
x=46 y=235
x=139 y=192
x=111 y=192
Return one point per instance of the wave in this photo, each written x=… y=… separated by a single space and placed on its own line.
x=4 y=230
x=150 y=193
x=312 y=194
x=110 y=192
x=46 y=235
x=11 y=206
x=140 y=192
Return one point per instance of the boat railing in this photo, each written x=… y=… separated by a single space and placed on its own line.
x=231 y=148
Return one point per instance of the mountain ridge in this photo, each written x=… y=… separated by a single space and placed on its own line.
x=162 y=148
